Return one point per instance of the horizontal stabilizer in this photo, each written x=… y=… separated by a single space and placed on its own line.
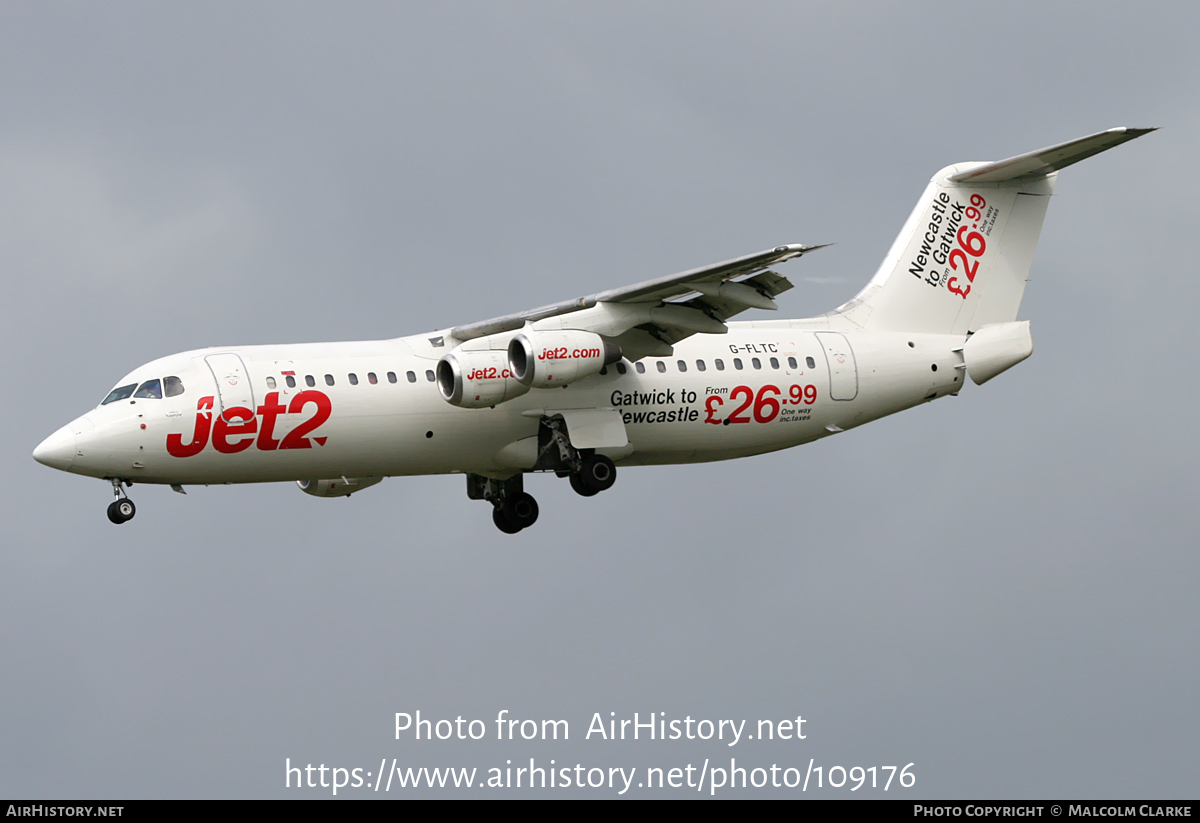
x=1045 y=161
x=962 y=259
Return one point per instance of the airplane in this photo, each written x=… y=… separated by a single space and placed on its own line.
x=653 y=373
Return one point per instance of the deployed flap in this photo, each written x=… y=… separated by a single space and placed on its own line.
x=661 y=289
x=1048 y=160
x=593 y=428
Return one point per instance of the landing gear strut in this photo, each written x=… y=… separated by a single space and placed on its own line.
x=122 y=509
x=513 y=508
x=589 y=473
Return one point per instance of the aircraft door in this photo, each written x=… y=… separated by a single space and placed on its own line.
x=843 y=372
x=233 y=383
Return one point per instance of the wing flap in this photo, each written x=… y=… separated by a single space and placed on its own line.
x=674 y=285
x=661 y=290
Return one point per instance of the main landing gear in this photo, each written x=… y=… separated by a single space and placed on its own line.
x=590 y=473
x=513 y=508
x=122 y=509
x=596 y=474
x=520 y=511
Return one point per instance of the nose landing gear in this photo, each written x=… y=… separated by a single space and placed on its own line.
x=122 y=509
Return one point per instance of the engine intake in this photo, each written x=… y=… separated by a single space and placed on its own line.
x=548 y=359
x=477 y=379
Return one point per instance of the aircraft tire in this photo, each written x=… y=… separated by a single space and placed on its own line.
x=598 y=473
x=581 y=488
x=521 y=510
x=121 y=511
x=501 y=521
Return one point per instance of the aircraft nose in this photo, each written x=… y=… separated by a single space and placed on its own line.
x=58 y=450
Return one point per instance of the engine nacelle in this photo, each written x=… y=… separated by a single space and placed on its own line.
x=547 y=359
x=477 y=379
x=340 y=487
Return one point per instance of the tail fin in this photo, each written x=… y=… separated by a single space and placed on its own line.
x=963 y=256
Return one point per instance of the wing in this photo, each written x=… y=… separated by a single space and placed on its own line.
x=647 y=318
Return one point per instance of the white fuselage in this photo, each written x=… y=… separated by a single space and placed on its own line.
x=393 y=421
x=581 y=386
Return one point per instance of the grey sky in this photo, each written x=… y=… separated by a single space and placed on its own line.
x=998 y=587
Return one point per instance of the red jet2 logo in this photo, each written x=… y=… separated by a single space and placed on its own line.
x=244 y=424
x=563 y=353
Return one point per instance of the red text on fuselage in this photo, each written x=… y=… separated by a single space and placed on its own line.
x=239 y=428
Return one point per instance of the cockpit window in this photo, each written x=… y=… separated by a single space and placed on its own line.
x=151 y=389
x=172 y=386
x=119 y=394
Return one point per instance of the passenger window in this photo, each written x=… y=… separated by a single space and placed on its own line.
x=291 y=381
x=371 y=378
x=661 y=366
x=309 y=381
x=172 y=386
x=640 y=366
x=812 y=364
x=270 y=382
x=429 y=375
x=353 y=378
x=412 y=377
x=757 y=363
x=774 y=363
x=720 y=364
x=737 y=363
x=391 y=377
x=620 y=368
x=150 y=389
x=792 y=363
x=119 y=394
x=682 y=365
x=329 y=380
x=700 y=365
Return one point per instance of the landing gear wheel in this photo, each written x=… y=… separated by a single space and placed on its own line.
x=502 y=523
x=596 y=474
x=121 y=511
x=521 y=510
x=578 y=485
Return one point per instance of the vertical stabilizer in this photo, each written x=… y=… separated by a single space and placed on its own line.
x=963 y=256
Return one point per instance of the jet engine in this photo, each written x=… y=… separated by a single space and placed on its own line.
x=340 y=487
x=477 y=379
x=548 y=359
